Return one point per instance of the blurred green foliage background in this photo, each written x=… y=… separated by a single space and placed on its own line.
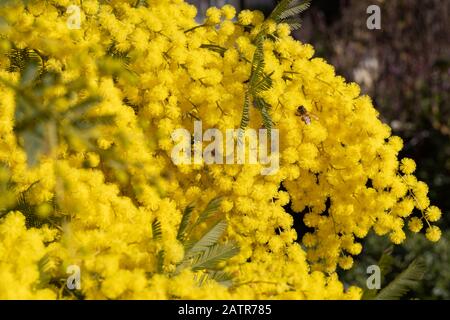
x=405 y=68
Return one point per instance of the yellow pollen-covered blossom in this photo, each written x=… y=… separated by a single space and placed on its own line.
x=245 y=17
x=433 y=233
x=415 y=224
x=213 y=15
x=228 y=11
x=408 y=166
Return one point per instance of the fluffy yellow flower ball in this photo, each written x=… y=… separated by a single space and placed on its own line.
x=213 y=15
x=433 y=233
x=433 y=213
x=408 y=166
x=245 y=17
x=415 y=224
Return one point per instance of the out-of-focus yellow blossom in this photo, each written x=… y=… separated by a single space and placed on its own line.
x=21 y=250
x=340 y=173
x=245 y=17
x=213 y=15
x=228 y=11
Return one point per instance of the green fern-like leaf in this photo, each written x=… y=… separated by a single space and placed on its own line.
x=38 y=125
x=263 y=108
x=187 y=214
x=45 y=267
x=287 y=11
x=212 y=255
x=257 y=69
x=223 y=278
x=295 y=9
x=245 y=119
x=258 y=82
x=156 y=230
x=263 y=83
x=210 y=209
x=215 y=48
x=203 y=255
x=140 y=3
x=294 y=23
x=160 y=261
x=404 y=282
x=157 y=235
x=209 y=239
x=20 y=58
x=79 y=109
x=385 y=263
x=281 y=7
x=89 y=122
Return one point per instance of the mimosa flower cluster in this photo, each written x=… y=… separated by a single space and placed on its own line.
x=93 y=204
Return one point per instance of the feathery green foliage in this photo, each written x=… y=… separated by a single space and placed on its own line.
x=221 y=277
x=212 y=255
x=44 y=268
x=245 y=119
x=264 y=108
x=385 y=263
x=187 y=214
x=140 y=3
x=157 y=236
x=287 y=11
x=205 y=253
x=19 y=58
x=208 y=239
x=258 y=63
x=258 y=82
x=215 y=48
x=156 y=230
x=404 y=282
x=160 y=261
x=39 y=124
x=408 y=279
x=210 y=209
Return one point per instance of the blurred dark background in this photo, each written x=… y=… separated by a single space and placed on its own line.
x=405 y=68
